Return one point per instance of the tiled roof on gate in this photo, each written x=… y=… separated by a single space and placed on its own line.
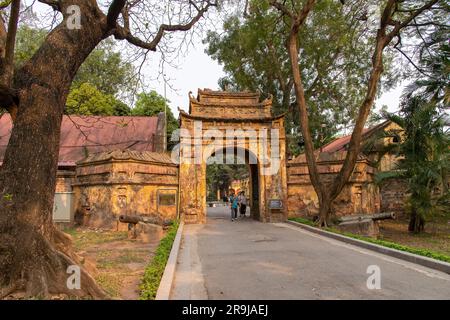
x=84 y=135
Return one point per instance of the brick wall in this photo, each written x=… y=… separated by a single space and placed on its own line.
x=359 y=196
x=393 y=195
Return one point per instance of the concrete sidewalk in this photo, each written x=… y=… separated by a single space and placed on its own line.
x=246 y=259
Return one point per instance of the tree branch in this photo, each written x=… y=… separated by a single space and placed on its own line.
x=377 y=68
x=123 y=33
x=8 y=96
x=113 y=12
x=282 y=8
x=11 y=37
x=55 y=4
x=400 y=25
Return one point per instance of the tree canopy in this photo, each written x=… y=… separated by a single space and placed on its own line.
x=86 y=99
x=424 y=152
x=334 y=62
x=150 y=104
x=104 y=73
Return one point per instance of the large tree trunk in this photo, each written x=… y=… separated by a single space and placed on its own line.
x=327 y=193
x=319 y=187
x=416 y=223
x=34 y=256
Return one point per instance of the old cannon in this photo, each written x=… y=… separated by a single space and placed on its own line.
x=364 y=224
x=135 y=219
x=144 y=228
x=374 y=217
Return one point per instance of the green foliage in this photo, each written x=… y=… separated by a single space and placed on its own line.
x=220 y=176
x=334 y=62
x=88 y=100
x=104 y=68
x=121 y=109
x=155 y=270
x=393 y=245
x=151 y=104
x=425 y=160
x=303 y=220
x=424 y=151
x=28 y=41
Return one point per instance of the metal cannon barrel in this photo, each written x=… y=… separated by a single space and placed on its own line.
x=375 y=217
x=134 y=219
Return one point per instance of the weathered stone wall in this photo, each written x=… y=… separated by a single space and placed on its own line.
x=359 y=196
x=393 y=194
x=64 y=180
x=125 y=182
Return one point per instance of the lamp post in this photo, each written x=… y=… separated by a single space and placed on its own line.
x=165 y=110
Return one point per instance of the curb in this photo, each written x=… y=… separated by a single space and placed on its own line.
x=410 y=257
x=165 y=286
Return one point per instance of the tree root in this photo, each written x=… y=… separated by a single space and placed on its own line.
x=40 y=269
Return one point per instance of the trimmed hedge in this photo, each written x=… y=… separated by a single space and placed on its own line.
x=393 y=245
x=155 y=270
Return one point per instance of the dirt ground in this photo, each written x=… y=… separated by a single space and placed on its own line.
x=436 y=236
x=116 y=262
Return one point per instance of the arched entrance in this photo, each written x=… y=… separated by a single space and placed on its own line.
x=248 y=160
x=221 y=124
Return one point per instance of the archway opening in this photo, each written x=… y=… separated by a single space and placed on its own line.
x=232 y=171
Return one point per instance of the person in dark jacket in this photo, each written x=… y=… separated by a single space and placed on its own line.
x=234 y=202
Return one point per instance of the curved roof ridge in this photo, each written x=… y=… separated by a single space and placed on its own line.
x=194 y=117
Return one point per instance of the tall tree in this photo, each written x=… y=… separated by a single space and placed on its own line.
x=424 y=152
x=425 y=160
x=395 y=16
x=34 y=255
x=333 y=64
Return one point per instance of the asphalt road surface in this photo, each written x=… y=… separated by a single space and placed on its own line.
x=246 y=259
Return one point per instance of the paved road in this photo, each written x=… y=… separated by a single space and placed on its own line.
x=246 y=259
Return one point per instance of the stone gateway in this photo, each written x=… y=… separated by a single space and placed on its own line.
x=232 y=123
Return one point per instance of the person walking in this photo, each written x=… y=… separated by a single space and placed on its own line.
x=242 y=204
x=234 y=205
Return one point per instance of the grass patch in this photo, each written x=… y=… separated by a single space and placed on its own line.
x=111 y=283
x=85 y=238
x=154 y=271
x=384 y=243
x=303 y=220
x=129 y=256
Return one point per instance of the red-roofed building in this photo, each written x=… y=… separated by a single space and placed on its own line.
x=360 y=194
x=84 y=135
x=340 y=144
x=124 y=141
